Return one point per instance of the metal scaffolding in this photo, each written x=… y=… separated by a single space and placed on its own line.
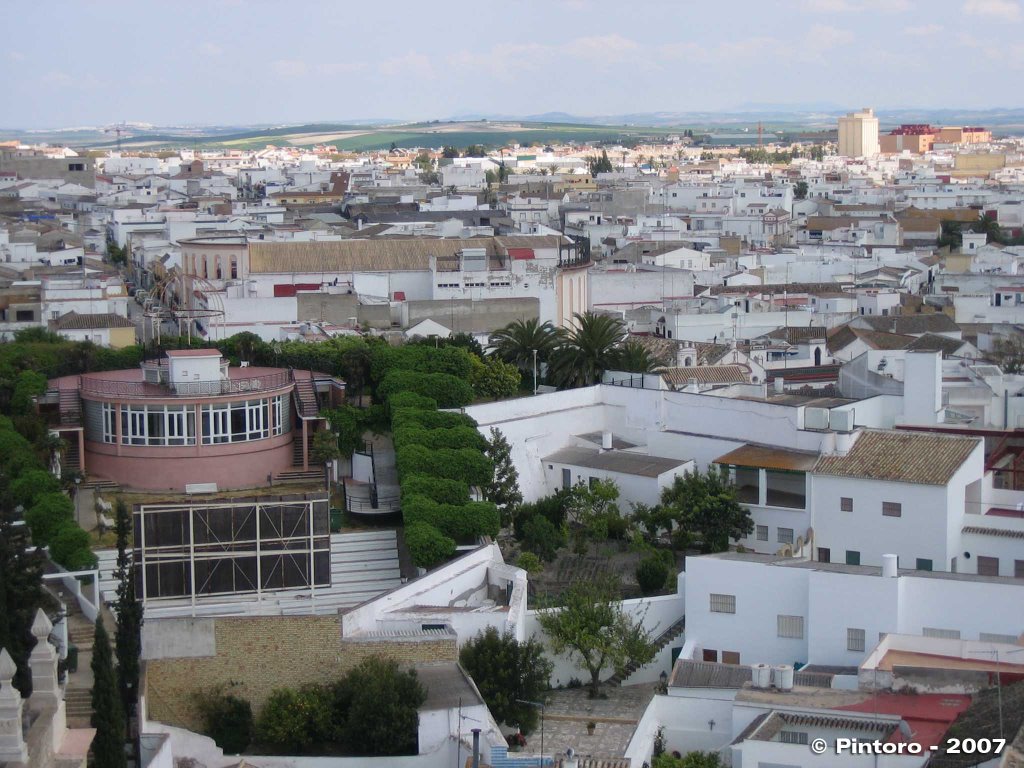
x=199 y=549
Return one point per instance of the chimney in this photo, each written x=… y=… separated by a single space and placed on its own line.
x=890 y=566
x=780 y=385
x=476 y=748
x=691 y=385
x=606 y=440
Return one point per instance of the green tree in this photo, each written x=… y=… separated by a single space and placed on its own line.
x=449 y=152
x=951 y=235
x=382 y=716
x=493 y=378
x=1008 y=353
x=47 y=515
x=348 y=423
x=592 y=627
x=800 y=190
x=705 y=510
x=517 y=342
x=503 y=489
x=635 y=358
x=128 y=635
x=541 y=537
x=228 y=720
x=28 y=386
x=475 y=150
x=589 y=509
x=107 y=713
x=600 y=164
x=507 y=673
x=587 y=351
x=651 y=574
x=70 y=547
x=324 y=447
x=21 y=590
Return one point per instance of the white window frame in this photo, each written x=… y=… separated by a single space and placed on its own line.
x=784 y=538
x=762 y=529
x=789 y=627
x=109 y=422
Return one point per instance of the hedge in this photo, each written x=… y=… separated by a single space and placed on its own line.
x=437 y=489
x=453 y=361
x=411 y=400
x=31 y=485
x=457 y=437
x=446 y=390
x=401 y=417
x=461 y=522
x=466 y=464
x=70 y=547
x=427 y=545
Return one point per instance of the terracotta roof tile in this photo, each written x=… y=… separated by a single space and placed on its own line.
x=904 y=457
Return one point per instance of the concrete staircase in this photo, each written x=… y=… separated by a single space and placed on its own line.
x=660 y=642
x=77 y=694
x=70 y=406
x=305 y=397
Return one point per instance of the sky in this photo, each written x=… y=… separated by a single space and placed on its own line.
x=238 y=62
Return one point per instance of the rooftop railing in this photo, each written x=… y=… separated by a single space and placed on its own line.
x=96 y=385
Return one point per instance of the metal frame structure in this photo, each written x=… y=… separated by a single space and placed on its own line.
x=174 y=288
x=198 y=549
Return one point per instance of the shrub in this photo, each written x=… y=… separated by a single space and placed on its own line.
x=70 y=547
x=542 y=538
x=552 y=507
x=651 y=574
x=284 y=723
x=411 y=400
x=32 y=484
x=461 y=522
x=446 y=390
x=228 y=721
x=376 y=707
x=427 y=545
x=465 y=464
x=456 y=437
x=530 y=563
x=46 y=516
x=436 y=489
x=429 y=419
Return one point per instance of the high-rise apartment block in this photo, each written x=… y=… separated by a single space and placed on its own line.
x=858 y=134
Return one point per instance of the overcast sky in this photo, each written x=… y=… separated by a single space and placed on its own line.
x=248 y=61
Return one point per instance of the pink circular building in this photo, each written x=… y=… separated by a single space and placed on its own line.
x=190 y=419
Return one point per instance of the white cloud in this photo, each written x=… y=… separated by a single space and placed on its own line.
x=289 y=67
x=211 y=49
x=602 y=48
x=821 y=39
x=829 y=6
x=1007 y=10
x=412 y=63
x=15 y=55
x=58 y=79
x=924 y=30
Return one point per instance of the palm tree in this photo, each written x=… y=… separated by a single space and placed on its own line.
x=635 y=358
x=587 y=351
x=517 y=342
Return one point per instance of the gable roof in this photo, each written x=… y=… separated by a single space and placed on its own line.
x=704 y=374
x=903 y=457
x=913 y=325
x=73 y=321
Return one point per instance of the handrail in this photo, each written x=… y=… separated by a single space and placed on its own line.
x=94 y=385
x=384 y=505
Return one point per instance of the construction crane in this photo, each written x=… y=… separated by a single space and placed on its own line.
x=118 y=129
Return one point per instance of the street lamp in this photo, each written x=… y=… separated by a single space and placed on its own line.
x=78 y=484
x=539 y=705
x=535 y=371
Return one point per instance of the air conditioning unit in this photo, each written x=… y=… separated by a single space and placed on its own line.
x=842 y=421
x=816 y=418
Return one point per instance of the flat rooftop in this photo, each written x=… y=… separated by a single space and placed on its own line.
x=623 y=462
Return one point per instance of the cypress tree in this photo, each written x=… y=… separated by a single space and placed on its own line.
x=129 y=616
x=503 y=489
x=107 y=713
